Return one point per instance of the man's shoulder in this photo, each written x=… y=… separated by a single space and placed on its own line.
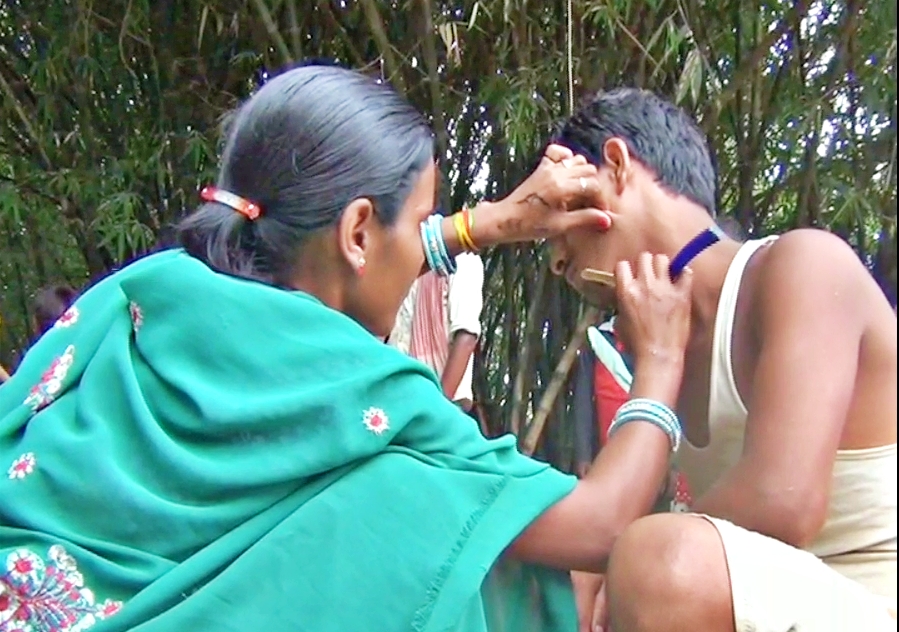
x=812 y=243
x=813 y=257
x=807 y=270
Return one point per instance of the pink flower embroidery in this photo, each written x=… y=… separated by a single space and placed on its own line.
x=45 y=391
x=47 y=595
x=137 y=315
x=69 y=318
x=23 y=466
x=376 y=420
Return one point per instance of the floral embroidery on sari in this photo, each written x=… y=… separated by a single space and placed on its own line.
x=137 y=315
x=45 y=391
x=22 y=466
x=68 y=318
x=47 y=595
x=375 y=420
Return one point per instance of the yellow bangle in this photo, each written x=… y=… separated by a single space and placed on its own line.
x=468 y=221
x=462 y=233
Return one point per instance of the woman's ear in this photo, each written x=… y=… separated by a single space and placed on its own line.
x=354 y=232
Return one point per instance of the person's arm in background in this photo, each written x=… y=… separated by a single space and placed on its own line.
x=466 y=300
x=3 y=375
x=586 y=434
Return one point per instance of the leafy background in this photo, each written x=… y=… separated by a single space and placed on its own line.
x=111 y=112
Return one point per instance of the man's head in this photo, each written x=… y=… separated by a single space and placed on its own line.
x=656 y=181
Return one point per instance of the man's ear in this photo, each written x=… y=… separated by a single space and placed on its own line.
x=617 y=157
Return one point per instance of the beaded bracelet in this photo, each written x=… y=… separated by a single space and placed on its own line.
x=649 y=411
x=434 y=245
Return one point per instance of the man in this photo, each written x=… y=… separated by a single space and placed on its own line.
x=439 y=323
x=788 y=402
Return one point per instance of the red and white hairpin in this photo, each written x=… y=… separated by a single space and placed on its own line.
x=239 y=204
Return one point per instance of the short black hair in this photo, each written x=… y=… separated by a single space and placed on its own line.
x=660 y=135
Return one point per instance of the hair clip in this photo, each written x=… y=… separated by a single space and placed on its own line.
x=246 y=208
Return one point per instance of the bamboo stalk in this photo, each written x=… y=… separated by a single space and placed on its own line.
x=559 y=378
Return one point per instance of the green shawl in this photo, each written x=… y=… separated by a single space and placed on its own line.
x=191 y=451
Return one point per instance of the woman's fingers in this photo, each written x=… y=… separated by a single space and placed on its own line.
x=645 y=267
x=557 y=153
x=660 y=265
x=685 y=281
x=624 y=274
x=584 y=218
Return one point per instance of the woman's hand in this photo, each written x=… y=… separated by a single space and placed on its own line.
x=558 y=196
x=654 y=312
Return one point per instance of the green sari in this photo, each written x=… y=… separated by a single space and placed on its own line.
x=191 y=451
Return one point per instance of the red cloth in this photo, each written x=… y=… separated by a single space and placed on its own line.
x=609 y=398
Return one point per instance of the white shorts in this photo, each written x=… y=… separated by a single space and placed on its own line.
x=779 y=588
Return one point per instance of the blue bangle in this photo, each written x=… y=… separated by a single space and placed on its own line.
x=649 y=411
x=437 y=263
x=450 y=262
x=436 y=252
x=426 y=245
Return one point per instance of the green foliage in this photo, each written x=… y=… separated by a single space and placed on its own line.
x=111 y=114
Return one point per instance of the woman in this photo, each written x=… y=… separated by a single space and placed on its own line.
x=222 y=441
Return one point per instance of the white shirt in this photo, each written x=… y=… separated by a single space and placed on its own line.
x=465 y=300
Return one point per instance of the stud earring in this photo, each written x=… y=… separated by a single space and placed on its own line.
x=361 y=266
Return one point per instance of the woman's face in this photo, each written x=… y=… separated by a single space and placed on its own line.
x=393 y=258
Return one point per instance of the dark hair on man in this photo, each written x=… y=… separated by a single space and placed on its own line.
x=308 y=143
x=661 y=136
x=49 y=304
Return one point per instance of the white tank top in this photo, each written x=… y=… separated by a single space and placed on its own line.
x=859 y=536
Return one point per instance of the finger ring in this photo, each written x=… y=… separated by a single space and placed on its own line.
x=583 y=185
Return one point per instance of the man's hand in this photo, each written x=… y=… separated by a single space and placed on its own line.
x=590 y=599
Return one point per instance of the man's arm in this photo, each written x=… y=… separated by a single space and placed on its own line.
x=809 y=320
x=466 y=301
x=462 y=347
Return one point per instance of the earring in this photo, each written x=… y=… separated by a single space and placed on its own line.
x=361 y=266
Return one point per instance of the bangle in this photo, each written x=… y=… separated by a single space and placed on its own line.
x=649 y=411
x=436 y=253
x=463 y=223
x=459 y=225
